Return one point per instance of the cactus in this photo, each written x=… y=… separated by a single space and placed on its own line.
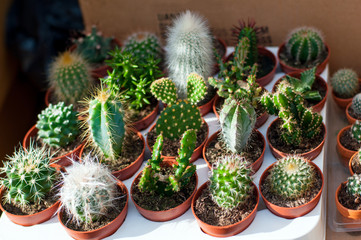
x=153 y=180
x=345 y=83
x=189 y=49
x=88 y=191
x=356 y=131
x=94 y=47
x=29 y=176
x=304 y=45
x=291 y=177
x=353 y=185
x=58 y=125
x=230 y=182
x=356 y=104
x=70 y=77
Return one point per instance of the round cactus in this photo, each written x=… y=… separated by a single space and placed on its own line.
x=356 y=131
x=356 y=104
x=345 y=83
x=353 y=185
x=58 y=125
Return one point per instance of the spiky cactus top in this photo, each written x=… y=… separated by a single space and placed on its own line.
x=189 y=49
x=356 y=104
x=180 y=115
x=291 y=177
x=153 y=180
x=58 y=125
x=353 y=185
x=345 y=83
x=230 y=182
x=70 y=77
x=29 y=176
x=88 y=191
x=356 y=131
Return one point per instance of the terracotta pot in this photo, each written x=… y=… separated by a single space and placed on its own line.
x=63 y=160
x=166 y=215
x=345 y=153
x=197 y=152
x=350 y=119
x=224 y=231
x=317 y=107
x=260 y=119
x=343 y=102
x=130 y=170
x=104 y=231
x=291 y=212
x=255 y=166
x=350 y=163
x=287 y=69
x=147 y=120
x=346 y=212
x=309 y=155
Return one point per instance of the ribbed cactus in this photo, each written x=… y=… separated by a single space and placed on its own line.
x=305 y=44
x=88 y=191
x=29 y=176
x=189 y=49
x=356 y=104
x=58 y=125
x=230 y=182
x=356 y=131
x=70 y=77
x=353 y=185
x=345 y=83
x=291 y=177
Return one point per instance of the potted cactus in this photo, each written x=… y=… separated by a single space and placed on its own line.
x=304 y=48
x=179 y=116
x=226 y=204
x=347 y=197
x=354 y=164
x=345 y=85
x=353 y=109
x=28 y=192
x=291 y=187
x=349 y=141
x=93 y=203
x=164 y=189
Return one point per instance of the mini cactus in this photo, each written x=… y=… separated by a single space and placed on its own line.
x=29 y=176
x=189 y=49
x=230 y=182
x=356 y=131
x=305 y=45
x=58 y=125
x=291 y=177
x=70 y=77
x=345 y=83
x=353 y=185
x=356 y=104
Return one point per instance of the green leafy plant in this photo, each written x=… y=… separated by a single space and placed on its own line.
x=356 y=104
x=356 y=131
x=345 y=83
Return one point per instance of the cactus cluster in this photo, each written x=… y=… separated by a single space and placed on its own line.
x=345 y=83
x=70 y=77
x=189 y=49
x=58 y=125
x=356 y=104
x=154 y=180
x=356 y=131
x=230 y=182
x=29 y=176
x=353 y=185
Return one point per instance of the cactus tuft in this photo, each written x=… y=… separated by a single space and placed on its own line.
x=353 y=185
x=356 y=104
x=345 y=83
x=356 y=131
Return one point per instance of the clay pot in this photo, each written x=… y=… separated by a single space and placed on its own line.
x=130 y=170
x=254 y=166
x=104 y=231
x=166 y=215
x=345 y=153
x=317 y=107
x=224 y=231
x=197 y=152
x=350 y=163
x=343 y=102
x=346 y=212
x=308 y=155
x=291 y=212
x=287 y=69
x=63 y=160
x=350 y=119
x=147 y=120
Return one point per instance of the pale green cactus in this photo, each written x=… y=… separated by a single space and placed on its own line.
x=356 y=131
x=345 y=83
x=356 y=104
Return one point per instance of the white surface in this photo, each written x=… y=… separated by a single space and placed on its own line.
x=265 y=225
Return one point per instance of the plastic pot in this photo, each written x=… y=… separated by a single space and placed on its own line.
x=346 y=212
x=147 y=120
x=350 y=119
x=345 y=153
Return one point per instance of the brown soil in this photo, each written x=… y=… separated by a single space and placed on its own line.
x=274 y=136
x=134 y=116
x=170 y=146
x=209 y=212
x=353 y=114
x=288 y=60
x=356 y=165
x=348 y=142
x=259 y=109
x=347 y=200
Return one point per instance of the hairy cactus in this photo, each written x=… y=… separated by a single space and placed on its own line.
x=356 y=104
x=70 y=77
x=29 y=176
x=353 y=185
x=189 y=49
x=88 y=191
x=94 y=47
x=356 y=131
x=305 y=45
x=291 y=177
x=58 y=125
x=230 y=182
x=345 y=83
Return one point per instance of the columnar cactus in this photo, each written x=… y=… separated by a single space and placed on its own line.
x=356 y=131
x=353 y=185
x=88 y=191
x=70 y=77
x=58 y=125
x=345 y=83
x=230 y=182
x=189 y=49
x=29 y=176
x=356 y=104
x=291 y=177
x=305 y=44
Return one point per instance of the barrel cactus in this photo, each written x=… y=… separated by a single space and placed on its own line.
x=353 y=185
x=345 y=83
x=356 y=131
x=356 y=104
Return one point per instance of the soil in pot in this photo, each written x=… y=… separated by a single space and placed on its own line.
x=355 y=164
x=134 y=116
x=288 y=60
x=352 y=113
x=348 y=201
x=348 y=142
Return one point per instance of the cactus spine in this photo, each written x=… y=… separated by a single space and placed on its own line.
x=345 y=83
x=353 y=185
x=356 y=131
x=356 y=104
x=248 y=30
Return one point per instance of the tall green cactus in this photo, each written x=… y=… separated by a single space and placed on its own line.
x=356 y=104
x=356 y=131
x=345 y=83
